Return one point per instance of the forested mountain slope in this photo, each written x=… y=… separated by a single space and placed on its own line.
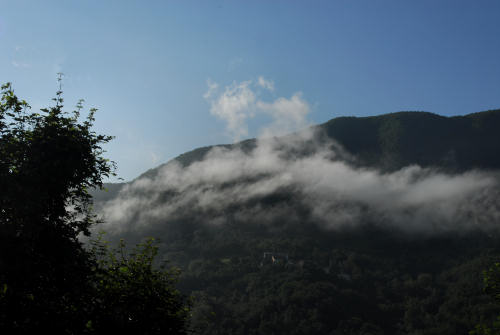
x=374 y=225
x=395 y=140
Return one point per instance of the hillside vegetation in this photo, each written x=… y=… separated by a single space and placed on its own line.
x=381 y=263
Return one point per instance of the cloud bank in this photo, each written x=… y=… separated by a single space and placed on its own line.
x=299 y=178
x=231 y=185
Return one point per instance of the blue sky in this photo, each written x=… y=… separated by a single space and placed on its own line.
x=147 y=65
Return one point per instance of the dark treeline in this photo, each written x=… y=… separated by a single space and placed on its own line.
x=353 y=281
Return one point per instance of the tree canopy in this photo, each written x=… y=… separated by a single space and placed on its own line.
x=48 y=279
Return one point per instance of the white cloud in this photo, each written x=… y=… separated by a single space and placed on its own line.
x=288 y=115
x=212 y=88
x=264 y=83
x=333 y=192
x=239 y=103
x=235 y=105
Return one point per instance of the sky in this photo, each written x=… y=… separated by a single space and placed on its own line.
x=171 y=76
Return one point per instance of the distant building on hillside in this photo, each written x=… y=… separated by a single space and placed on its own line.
x=275 y=258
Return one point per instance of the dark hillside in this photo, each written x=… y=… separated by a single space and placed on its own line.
x=392 y=141
x=400 y=257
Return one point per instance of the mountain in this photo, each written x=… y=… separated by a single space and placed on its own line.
x=373 y=225
x=392 y=141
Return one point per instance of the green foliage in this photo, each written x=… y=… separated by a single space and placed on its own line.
x=48 y=160
x=339 y=282
x=48 y=281
x=133 y=295
x=491 y=278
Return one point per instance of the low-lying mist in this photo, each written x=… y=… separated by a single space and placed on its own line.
x=228 y=184
x=303 y=177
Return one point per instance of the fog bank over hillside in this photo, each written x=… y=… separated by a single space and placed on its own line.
x=236 y=186
x=305 y=177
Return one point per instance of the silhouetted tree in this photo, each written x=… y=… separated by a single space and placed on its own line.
x=48 y=280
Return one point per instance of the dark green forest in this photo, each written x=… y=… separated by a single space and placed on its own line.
x=357 y=282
